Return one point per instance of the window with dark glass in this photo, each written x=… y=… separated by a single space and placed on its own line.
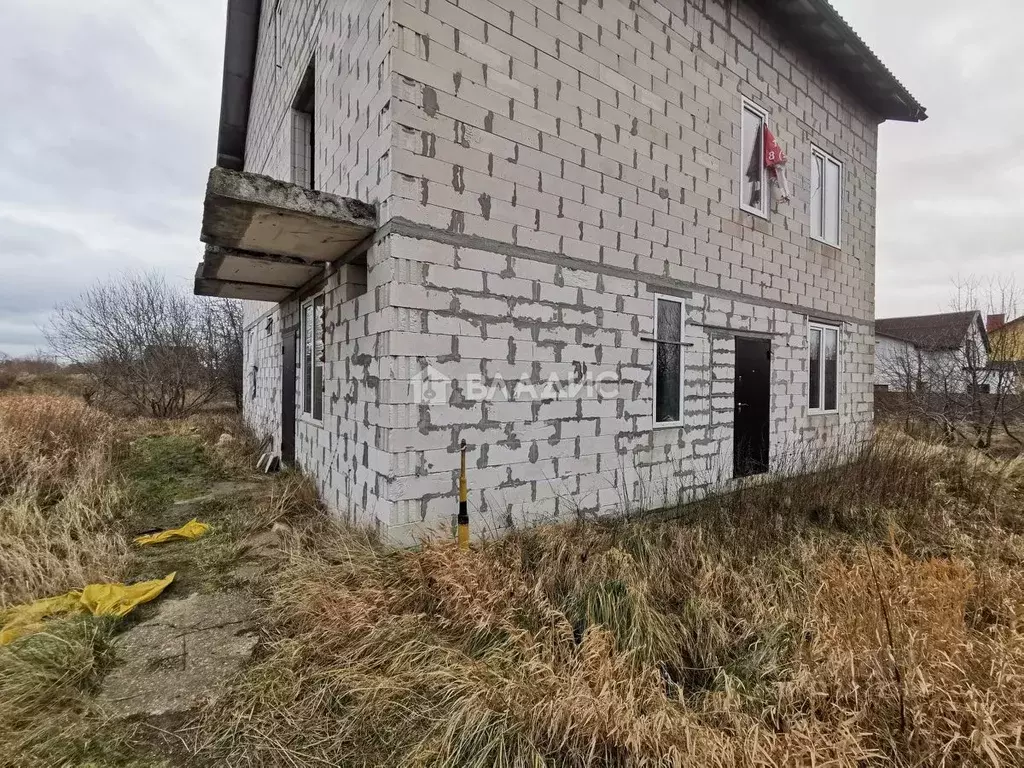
x=814 y=367
x=668 y=374
x=312 y=358
x=753 y=187
x=823 y=367
x=318 y=357
x=307 y=358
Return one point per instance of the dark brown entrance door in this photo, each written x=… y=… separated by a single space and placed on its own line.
x=751 y=414
x=288 y=396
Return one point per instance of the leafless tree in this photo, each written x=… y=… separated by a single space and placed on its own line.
x=968 y=390
x=150 y=345
x=225 y=316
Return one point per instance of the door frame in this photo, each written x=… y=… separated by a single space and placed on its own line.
x=288 y=391
x=763 y=461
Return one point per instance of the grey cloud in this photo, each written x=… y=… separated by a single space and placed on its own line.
x=949 y=189
x=107 y=133
x=110 y=115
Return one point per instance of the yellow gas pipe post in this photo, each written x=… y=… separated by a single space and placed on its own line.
x=463 y=518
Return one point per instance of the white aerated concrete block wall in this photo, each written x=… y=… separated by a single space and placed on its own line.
x=606 y=135
x=349 y=44
x=542 y=169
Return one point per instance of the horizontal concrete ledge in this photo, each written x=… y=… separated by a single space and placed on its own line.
x=231 y=289
x=233 y=265
x=257 y=214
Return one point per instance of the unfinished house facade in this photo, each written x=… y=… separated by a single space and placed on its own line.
x=557 y=231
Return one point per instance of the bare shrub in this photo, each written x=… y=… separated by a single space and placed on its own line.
x=155 y=347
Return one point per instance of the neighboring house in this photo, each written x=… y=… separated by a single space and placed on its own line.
x=569 y=196
x=1006 y=354
x=932 y=353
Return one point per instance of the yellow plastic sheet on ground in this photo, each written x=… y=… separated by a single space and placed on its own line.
x=193 y=529
x=97 y=599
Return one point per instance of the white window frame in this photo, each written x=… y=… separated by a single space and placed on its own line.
x=823 y=328
x=305 y=328
x=303 y=130
x=658 y=298
x=744 y=162
x=818 y=152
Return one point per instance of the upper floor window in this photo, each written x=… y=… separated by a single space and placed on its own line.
x=303 y=124
x=826 y=197
x=823 y=367
x=668 y=361
x=753 y=178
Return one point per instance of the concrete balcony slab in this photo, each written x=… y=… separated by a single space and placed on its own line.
x=229 y=289
x=241 y=272
x=261 y=215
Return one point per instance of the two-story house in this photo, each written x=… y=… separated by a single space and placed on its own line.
x=551 y=230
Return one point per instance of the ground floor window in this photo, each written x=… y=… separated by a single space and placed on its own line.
x=823 y=366
x=668 y=361
x=313 y=357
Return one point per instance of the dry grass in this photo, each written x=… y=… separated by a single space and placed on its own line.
x=865 y=615
x=60 y=501
x=59 y=497
x=46 y=681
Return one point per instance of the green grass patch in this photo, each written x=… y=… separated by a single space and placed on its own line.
x=203 y=564
x=162 y=468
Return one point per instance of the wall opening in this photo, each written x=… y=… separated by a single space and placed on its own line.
x=303 y=131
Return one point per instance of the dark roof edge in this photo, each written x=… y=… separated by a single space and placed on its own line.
x=817 y=27
x=240 y=41
x=1008 y=324
x=970 y=317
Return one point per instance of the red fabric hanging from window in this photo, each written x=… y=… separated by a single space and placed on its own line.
x=775 y=163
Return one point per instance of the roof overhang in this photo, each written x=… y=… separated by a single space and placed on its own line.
x=240 y=40
x=817 y=27
x=268 y=238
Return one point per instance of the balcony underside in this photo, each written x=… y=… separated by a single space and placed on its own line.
x=267 y=238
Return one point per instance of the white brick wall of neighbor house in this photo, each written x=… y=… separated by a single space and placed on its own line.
x=541 y=172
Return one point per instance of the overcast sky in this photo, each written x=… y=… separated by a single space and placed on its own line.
x=110 y=114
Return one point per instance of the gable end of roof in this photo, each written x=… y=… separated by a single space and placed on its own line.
x=932 y=332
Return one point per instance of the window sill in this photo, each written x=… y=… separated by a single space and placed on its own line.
x=819 y=412
x=309 y=420
x=754 y=212
x=826 y=242
x=667 y=424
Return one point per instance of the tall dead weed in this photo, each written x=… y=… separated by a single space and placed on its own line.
x=749 y=633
